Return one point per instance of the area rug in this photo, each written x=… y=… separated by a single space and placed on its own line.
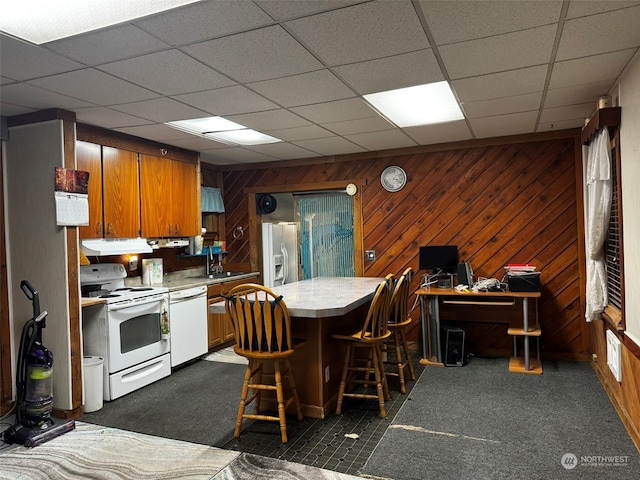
x=92 y=451
x=225 y=355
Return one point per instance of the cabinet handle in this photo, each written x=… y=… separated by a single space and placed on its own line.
x=169 y=229
x=177 y=229
x=99 y=228
x=109 y=229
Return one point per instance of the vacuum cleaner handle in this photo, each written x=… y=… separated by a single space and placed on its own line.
x=32 y=295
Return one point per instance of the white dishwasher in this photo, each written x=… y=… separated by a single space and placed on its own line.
x=188 y=324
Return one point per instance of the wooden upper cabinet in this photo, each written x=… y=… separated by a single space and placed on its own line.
x=169 y=197
x=121 y=193
x=184 y=199
x=89 y=159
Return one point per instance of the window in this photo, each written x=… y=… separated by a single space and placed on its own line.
x=613 y=246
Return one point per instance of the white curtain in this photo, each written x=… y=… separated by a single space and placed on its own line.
x=597 y=180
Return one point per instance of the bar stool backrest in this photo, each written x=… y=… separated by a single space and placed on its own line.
x=376 y=324
x=260 y=318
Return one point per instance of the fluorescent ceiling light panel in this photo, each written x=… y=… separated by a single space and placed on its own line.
x=223 y=130
x=243 y=137
x=200 y=126
x=42 y=21
x=420 y=105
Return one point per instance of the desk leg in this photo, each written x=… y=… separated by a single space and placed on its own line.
x=525 y=326
x=434 y=314
x=430 y=318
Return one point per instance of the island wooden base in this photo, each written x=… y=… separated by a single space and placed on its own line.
x=317 y=364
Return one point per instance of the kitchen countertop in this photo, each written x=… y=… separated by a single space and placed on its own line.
x=322 y=296
x=177 y=281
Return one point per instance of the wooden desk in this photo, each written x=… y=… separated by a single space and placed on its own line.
x=318 y=307
x=430 y=317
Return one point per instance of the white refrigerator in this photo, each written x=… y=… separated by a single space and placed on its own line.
x=279 y=253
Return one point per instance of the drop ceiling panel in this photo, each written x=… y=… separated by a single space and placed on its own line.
x=271 y=52
x=233 y=155
x=607 y=32
x=40 y=62
x=160 y=110
x=504 y=84
x=581 y=9
x=108 y=45
x=38 y=98
x=157 y=131
x=269 y=120
x=305 y=89
x=452 y=22
x=300 y=133
x=361 y=125
x=205 y=20
x=350 y=109
x=372 y=30
x=499 y=53
x=500 y=106
x=440 y=133
x=9 y=110
x=569 y=112
x=283 y=151
x=108 y=118
x=606 y=66
x=164 y=72
x=94 y=86
x=330 y=146
x=559 y=97
x=387 y=139
x=382 y=74
x=288 y=9
x=227 y=101
x=511 y=124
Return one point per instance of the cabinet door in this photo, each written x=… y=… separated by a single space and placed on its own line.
x=184 y=199
x=156 y=191
x=89 y=159
x=214 y=324
x=121 y=194
x=169 y=197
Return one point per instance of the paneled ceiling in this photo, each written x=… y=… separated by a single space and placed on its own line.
x=297 y=70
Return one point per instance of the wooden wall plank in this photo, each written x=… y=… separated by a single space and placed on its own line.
x=500 y=203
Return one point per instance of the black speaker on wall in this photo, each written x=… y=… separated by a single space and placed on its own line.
x=265 y=204
x=452 y=346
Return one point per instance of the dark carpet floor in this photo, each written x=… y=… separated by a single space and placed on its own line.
x=196 y=403
x=482 y=422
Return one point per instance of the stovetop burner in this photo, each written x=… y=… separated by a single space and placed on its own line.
x=134 y=289
x=96 y=293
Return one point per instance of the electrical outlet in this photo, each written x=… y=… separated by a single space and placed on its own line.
x=327 y=375
x=133 y=263
x=370 y=255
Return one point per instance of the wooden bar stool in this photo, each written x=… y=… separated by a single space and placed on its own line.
x=399 y=321
x=262 y=329
x=370 y=336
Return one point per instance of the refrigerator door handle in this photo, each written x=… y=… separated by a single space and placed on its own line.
x=285 y=263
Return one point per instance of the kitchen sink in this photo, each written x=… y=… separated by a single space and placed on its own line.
x=220 y=275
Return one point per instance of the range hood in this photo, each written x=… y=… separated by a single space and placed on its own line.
x=115 y=246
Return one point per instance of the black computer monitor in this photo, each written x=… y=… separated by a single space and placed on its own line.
x=439 y=258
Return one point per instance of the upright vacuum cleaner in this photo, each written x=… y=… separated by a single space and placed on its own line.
x=34 y=424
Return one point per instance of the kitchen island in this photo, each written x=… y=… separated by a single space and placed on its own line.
x=318 y=307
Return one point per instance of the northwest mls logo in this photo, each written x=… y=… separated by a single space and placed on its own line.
x=570 y=461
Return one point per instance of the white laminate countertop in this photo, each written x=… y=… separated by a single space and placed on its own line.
x=322 y=296
x=178 y=283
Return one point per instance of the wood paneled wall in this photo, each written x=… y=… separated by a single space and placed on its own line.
x=498 y=202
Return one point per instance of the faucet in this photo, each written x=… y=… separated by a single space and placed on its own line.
x=209 y=261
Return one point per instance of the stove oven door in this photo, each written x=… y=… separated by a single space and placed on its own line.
x=134 y=332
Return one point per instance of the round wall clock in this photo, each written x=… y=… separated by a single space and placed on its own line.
x=393 y=178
